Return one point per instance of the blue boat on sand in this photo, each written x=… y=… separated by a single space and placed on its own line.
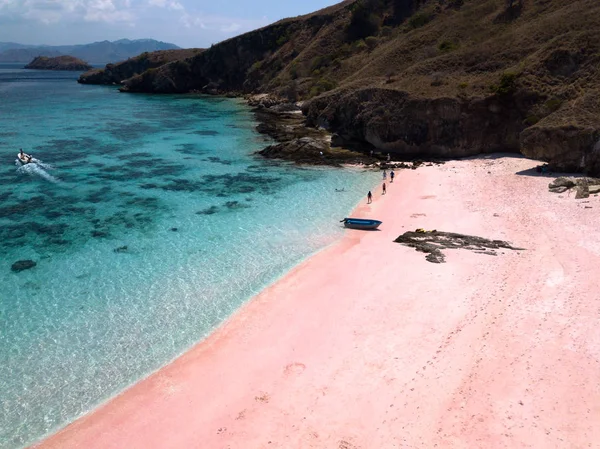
x=361 y=223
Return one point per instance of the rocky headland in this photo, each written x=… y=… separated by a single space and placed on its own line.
x=423 y=79
x=120 y=71
x=58 y=63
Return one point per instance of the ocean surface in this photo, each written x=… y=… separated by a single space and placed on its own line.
x=150 y=221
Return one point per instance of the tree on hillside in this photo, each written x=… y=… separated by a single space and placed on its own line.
x=402 y=9
x=364 y=21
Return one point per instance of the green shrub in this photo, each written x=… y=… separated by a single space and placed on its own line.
x=294 y=70
x=323 y=85
x=463 y=85
x=553 y=105
x=345 y=50
x=386 y=31
x=363 y=21
x=447 y=46
x=256 y=66
x=319 y=62
x=371 y=42
x=531 y=120
x=420 y=19
x=360 y=45
x=507 y=85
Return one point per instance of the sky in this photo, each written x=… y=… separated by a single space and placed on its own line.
x=187 y=23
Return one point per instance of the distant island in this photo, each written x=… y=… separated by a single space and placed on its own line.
x=97 y=52
x=58 y=63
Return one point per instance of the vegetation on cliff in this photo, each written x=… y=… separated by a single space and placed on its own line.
x=423 y=77
x=116 y=73
x=58 y=63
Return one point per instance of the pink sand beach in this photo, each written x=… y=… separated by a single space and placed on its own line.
x=367 y=345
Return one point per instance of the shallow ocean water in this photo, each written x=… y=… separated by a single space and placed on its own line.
x=150 y=220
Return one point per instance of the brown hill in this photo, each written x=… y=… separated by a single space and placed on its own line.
x=115 y=73
x=424 y=77
x=58 y=63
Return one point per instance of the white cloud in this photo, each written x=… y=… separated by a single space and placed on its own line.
x=53 y=11
x=225 y=25
x=170 y=4
x=231 y=28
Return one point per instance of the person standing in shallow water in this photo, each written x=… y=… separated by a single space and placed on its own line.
x=369 y=197
x=384 y=188
x=384 y=175
x=392 y=174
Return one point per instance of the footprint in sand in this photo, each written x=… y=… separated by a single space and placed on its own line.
x=294 y=368
x=264 y=397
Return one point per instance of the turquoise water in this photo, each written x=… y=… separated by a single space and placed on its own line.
x=150 y=220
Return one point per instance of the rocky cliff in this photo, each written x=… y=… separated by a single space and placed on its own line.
x=423 y=77
x=58 y=63
x=116 y=73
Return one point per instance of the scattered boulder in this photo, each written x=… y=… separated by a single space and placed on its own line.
x=583 y=186
x=563 y=182
x=582 y=192
x=302 y=149
x=121 y=249
x=21 y=265
x=174 y=229
x=268 y=101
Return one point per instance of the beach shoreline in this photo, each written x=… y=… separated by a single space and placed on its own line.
x=366 y=344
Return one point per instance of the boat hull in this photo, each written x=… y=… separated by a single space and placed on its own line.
x=361 y=223
x=24 y=160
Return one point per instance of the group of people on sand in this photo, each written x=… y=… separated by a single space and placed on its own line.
x=383 y=187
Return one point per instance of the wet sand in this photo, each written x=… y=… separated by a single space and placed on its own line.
x=368 y=345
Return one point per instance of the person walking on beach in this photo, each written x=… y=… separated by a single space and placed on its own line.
x=384 y=175
x=392 y=174
x=384 y=188
x=369 y=197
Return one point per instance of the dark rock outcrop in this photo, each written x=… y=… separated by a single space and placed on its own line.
x=58 y=63
x=566 y=148
x=396 y=122
x=432 y=242
x=583 y=186
x=22 y=265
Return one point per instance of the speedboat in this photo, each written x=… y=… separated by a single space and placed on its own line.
x=361 y=223
x=24 y=158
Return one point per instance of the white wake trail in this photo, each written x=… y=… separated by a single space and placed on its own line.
x=35 y=169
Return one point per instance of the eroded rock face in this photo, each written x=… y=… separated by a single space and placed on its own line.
x=395 y=122
x=568 y=149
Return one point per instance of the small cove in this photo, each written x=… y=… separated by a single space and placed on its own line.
x=150 y=222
